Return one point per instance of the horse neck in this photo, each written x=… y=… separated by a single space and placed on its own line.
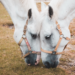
x=66 y=13
x=18 y=10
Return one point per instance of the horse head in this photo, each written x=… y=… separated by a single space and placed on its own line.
x=28 y=39
x=52 y=36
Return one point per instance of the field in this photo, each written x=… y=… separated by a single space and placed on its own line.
x=11 y=62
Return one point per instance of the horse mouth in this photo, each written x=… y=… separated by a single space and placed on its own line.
x=37 y=60
x=36 y=63
x=29 y=64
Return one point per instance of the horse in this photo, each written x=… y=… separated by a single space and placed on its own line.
x=24 y=15
x=55 y=34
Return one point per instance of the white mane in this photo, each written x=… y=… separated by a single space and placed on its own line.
x=30 y=4
x=61 y=9
x=55 y=4
x=19 y=9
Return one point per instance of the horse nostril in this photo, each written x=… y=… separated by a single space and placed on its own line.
x=28 y=61
x=31 y=59
x=29 y=64
x=47 y=64
x=35 y=61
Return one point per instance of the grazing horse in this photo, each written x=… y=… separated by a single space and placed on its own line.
x=24 y=15
x=54 y=35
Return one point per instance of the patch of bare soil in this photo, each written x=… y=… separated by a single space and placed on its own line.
x=67 y=60
x=9 y=25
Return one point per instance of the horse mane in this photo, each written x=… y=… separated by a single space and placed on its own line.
x=27 y=4
x=30 y=4
x=55 y=4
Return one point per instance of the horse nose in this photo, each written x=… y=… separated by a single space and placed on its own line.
x=47 y=64
x=54 y=64
x=30 y=59
x=51 y=65
x=30 y=62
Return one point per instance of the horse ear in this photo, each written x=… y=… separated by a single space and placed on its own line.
x=43 y=6
x=30 y=13
x=50 y=12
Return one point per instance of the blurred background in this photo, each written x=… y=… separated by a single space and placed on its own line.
x=11 y=62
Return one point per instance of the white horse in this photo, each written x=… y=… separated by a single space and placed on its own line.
x=62 y=12
x=20 y=11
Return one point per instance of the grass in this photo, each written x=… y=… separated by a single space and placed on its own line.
x=72 y=42
x=63 y=60
x=72 y=51
x=4 y=16
x=11 y=62
x=73 y=68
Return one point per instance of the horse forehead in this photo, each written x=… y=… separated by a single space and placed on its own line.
x=46 y=31
x=47 y=27
x=32 y=29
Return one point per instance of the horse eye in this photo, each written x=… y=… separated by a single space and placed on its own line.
x=47 y=37
x=34 y=36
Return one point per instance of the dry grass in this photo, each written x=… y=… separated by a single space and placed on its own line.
x=4 y=16
x=11 y=62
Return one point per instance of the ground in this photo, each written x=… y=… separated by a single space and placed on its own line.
x=11 y=62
